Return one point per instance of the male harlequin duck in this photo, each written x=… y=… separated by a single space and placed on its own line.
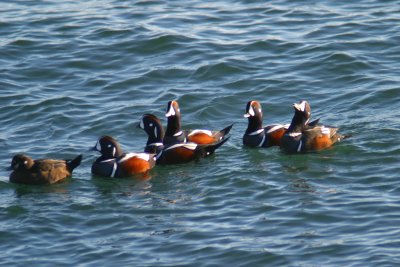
x=302 y=138
x=155 y=132
x=114 y=163
x=174 y=134
x=41 y=171
x=256 y=134
x=175 y=153
x=183 y=153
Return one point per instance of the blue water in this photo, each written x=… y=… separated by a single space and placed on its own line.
x=71 y=71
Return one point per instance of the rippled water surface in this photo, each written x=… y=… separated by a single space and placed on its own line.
x=71 y=71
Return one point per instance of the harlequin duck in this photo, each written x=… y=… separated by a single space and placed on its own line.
x=114 y=163
x=155 y=132
x=302 y=138
x=183 y=153
x=175 y=153
x=258 y=136
x=175 y=135
x=41 y=171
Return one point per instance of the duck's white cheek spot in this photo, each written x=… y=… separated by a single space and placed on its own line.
x=155 y=132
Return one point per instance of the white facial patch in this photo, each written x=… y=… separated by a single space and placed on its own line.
x=25 y=162
x=98 y=146
x=251 y=111
x=171 y=111
x=114 y=150
x=155 y=132
x=302 y=106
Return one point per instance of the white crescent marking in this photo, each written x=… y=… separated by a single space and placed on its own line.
x=276 y=127
x=115 y=166
x=143 y=156
x=207 y=132
x=257 y=132
x=191 y=146
x=300 y=145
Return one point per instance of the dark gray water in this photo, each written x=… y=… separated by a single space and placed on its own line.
x=71 y=71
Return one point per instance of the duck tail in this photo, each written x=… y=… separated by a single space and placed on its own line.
x=226 y=130
x=314 y=123
x=341 y=137
x=207 y=150
x=72 y=164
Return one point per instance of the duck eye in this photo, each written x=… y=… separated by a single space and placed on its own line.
x=109 y=146
x=25 y=162
x=151 y=124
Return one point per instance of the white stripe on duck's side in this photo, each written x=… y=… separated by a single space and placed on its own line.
x=278 y=126
x=127 y=156
x=325 y=130
x=197 y=131
x=191 y=146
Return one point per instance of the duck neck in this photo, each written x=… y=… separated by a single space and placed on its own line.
x=297 y=124
x=255 y=124
x=173 y=125
x=157 y=136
